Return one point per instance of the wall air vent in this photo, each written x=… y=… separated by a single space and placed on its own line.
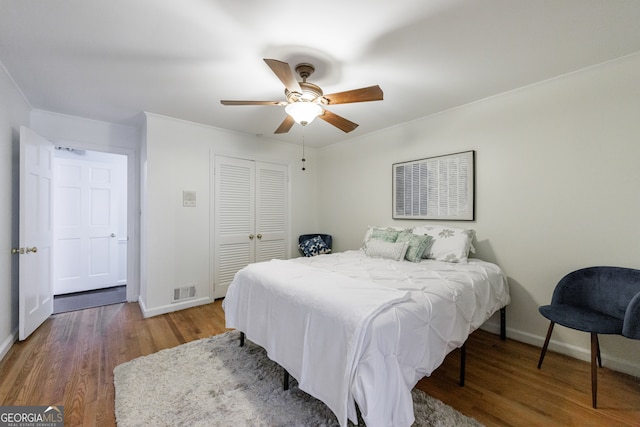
x=184 y=293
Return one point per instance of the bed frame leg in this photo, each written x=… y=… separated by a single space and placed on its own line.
x=463 y=362
x=241 y=339
x=503 y=323
x=285 y=381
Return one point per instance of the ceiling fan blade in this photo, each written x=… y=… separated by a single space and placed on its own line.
x=286 y=125
x=284 y=73
x=365 y=94
x=338 y=121
x=273 y=103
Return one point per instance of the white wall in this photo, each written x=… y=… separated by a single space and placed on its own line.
x=557 y=178
x=177 y=250
x=14 y=112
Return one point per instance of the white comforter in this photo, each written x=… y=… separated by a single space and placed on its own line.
x=374 y=345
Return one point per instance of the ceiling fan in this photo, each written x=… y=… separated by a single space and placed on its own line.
x=306 y=101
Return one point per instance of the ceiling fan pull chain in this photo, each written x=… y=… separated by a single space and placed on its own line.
x=303 y=159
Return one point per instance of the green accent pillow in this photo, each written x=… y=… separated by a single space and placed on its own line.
x=385 y=234
x=417 y=245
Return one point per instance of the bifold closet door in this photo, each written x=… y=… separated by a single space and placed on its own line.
x=272 y=209
x=250 y=216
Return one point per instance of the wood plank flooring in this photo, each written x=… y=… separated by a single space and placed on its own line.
x=69 y=361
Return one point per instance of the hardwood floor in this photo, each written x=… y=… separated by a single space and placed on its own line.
x=504 y=387
x=69 y=361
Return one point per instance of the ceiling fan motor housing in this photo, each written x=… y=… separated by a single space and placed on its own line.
x=310 y=92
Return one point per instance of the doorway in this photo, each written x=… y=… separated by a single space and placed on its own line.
x=89 y=229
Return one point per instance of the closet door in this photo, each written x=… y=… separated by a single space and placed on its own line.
x=272 y=210
x=85 y=207
x=234 y=219
x=251 y=216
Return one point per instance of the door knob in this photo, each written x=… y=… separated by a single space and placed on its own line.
x=17 y=251
x=33 y=249
x=250 y=236
x=113 y=234
x=259 y=236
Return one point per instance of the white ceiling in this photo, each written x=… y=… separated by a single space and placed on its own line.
x=112 y=59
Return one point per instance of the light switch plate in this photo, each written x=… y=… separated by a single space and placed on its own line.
x=188 y=199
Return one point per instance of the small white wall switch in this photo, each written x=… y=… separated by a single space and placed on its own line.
x=188 y=199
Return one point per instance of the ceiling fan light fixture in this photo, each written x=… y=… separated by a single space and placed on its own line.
x=303 y=112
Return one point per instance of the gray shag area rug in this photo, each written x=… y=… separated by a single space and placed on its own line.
x=215 y=382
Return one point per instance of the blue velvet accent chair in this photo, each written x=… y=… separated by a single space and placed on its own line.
x=326 y=238
x=598 y=300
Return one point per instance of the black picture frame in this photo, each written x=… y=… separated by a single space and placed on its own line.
x=435 y=188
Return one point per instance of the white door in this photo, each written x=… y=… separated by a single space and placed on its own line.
x=251 y=216
x=271 y=212
x=35 y=232
x=233 y=219
x=85 y=207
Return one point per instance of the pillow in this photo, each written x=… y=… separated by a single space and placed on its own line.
x=388 y=250
x=417 y=245
x=314 y=246
x=388 y=234
x=448 y=244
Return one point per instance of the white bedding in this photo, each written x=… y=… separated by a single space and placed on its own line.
x=293 y=308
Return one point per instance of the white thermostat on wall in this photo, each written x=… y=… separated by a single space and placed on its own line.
x=188 y=199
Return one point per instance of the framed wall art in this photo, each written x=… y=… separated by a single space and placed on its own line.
x=439 y=187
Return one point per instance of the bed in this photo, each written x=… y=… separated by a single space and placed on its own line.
x=356 y=329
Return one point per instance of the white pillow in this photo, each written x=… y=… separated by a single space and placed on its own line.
x=381 y=249
x=448 y=243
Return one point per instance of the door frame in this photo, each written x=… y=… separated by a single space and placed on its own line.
x=133 y=208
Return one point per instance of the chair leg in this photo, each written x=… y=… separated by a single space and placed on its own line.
x=546 y=344
x=599 y=358
x=594 y=369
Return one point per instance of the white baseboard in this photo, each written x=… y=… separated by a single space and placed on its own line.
x=146 y=312
x=491 y=326
x=8 y=343
x=142 y=305
x=580 y=353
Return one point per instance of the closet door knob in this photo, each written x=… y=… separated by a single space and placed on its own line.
x=250 y=236
x=259 y=236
